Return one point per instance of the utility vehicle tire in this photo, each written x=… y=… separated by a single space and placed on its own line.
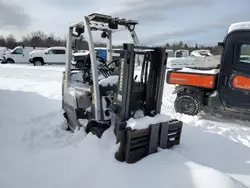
x=187 y=103
x=38 y=63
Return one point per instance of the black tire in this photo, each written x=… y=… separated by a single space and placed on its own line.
x=96 y=131
x=187 y=103
x=67 y=127
x=38 y=62
x=10 y=61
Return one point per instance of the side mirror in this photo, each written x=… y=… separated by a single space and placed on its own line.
x=46 y=52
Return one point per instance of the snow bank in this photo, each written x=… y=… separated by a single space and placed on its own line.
x=210 y=61
x=31 y=67
x=238 y=26
x=81 y=164
x=111 y=80
x=76 y=76
x=83 y=122
x=38 y=152
x=181 y=62
x=212 y=71
x=77 y=80
x=144 y=122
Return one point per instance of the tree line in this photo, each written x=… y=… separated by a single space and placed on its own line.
x=41 y=39
x=37 y=38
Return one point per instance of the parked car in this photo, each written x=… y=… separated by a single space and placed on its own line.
x=79 y=58
x=2 y=50
x=181 y=53
x=19 y=54
x=52 y=55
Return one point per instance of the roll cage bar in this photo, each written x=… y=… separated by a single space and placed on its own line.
x=96 y=22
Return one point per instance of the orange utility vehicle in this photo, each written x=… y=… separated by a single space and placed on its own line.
x=224 y=89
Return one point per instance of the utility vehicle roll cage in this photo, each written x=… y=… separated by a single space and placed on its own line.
x=96 y=22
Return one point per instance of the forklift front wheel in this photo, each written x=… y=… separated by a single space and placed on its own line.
x=187 y=103
x=96 y=131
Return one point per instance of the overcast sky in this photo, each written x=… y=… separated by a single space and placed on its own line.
x=161 y=21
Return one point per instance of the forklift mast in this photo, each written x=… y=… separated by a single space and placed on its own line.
x=145 y=94
x=125 y=96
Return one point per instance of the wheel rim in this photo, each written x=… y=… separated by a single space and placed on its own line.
x=187 y=106
x=38 y=63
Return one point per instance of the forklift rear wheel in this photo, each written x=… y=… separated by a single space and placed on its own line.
x=187 y=103
x=96 y=131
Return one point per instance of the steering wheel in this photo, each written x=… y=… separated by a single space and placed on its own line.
x=113 y=64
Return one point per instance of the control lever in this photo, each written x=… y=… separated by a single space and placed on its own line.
x=135 y=77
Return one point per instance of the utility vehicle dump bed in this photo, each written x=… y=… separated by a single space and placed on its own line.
x=193 y=77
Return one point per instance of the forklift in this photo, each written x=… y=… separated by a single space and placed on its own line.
x=226 y=89
x=81 y=97
x=98 y=96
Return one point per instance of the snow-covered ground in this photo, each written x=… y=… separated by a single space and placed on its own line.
x=36 y=151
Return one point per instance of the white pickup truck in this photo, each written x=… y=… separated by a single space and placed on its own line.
x=52 y=55
x=19 y=54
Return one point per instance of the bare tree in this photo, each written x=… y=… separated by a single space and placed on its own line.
x=2 y=41
x=11 y=41
x=180 y=45
x=41 y=39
